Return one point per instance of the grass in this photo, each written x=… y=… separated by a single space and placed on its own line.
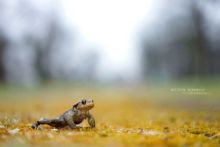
x=128 y=116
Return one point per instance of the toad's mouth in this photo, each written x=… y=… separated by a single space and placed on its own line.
x=87 y=106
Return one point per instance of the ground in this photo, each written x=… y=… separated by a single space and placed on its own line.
x=138 y=115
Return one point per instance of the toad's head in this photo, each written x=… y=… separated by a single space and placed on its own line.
x=84 y=105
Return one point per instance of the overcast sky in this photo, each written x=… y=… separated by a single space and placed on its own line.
x=110 y=27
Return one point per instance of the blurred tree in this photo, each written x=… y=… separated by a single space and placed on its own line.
x=200 y=51
x=46 y=48
x=2 y=50
x=182 y=47
x=30 y=34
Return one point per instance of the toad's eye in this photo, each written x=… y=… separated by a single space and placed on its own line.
x=83 y=102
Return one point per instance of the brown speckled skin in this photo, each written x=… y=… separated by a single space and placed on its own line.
x=71 y=117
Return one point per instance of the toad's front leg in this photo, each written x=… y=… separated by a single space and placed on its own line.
x=91 y=120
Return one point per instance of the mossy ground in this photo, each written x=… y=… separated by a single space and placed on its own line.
x=125 y=117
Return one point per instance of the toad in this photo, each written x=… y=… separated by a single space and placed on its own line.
x=71 y=117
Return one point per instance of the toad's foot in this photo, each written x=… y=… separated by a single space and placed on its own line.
x=34 y=125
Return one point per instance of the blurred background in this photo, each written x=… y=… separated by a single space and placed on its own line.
x=108 y=41
x=151 y=66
